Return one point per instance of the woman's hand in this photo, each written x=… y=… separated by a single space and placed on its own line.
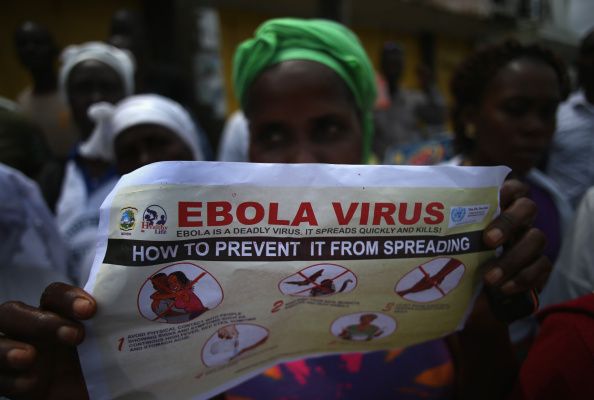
x=38 y=358
x=485 y=362
x=522 y=266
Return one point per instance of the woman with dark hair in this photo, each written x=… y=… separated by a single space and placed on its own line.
x=504 y=112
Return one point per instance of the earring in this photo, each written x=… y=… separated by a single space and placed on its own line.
x=470 y=130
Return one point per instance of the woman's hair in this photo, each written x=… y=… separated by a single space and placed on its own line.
x=474 y=74
x=368 y=316
x=158 y=275
x=181 y=277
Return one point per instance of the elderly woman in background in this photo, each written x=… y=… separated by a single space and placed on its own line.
x=137 y=131
x=90 y=72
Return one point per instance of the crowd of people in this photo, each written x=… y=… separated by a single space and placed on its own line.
x=309 y=94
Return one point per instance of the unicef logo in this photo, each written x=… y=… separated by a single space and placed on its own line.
x=457 y=214
x=154 y=217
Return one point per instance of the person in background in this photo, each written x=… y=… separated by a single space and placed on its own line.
x=505 y=97
x=560 y=362
x=307 y=89
x=573 y=274
x=504 y=101
x=143 y=129
x=128 y=31
x=41 y=102
x=32 y=250
x=570 y=158
x=235 y=139
x=91 y=72
x=137 y=131
x=23 y=147
x=404 y=116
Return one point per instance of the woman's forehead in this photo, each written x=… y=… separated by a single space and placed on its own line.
x=525 y=75
x=296 y=77
x=93 y=68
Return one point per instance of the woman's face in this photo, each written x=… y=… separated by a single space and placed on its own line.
x=517 y=117
x=160 y=283
x=302 y=112
x=173 y=282
x=367 y=319
x=145 y=144
x=35 y=46
x=90 y=82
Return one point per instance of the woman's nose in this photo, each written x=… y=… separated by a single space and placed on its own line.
x=305 y=155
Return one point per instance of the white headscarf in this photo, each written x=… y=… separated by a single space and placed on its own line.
x=136 y=110
x=120 y=60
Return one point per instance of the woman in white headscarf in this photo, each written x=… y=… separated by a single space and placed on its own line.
x=137 y=131
x=140 y=130
x=90 y=72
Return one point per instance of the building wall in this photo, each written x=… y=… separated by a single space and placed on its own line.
x=238 y=25
x=76 y=22
x=69 y=21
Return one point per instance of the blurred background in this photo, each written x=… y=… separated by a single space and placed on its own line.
x=191 y=42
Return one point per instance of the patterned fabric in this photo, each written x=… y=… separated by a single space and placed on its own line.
x=423 y=371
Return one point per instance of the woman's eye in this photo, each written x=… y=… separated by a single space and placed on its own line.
x=515 y=108
x=158 y=142
x=275 y=137
x=272 y=137
x=549 y=111
x=329 y=130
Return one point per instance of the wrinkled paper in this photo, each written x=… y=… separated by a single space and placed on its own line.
x=208 y=273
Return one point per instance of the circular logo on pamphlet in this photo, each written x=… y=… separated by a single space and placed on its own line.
x=458 y=214
x=179 y=293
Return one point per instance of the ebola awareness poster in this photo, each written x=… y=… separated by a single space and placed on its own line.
x=208 y=273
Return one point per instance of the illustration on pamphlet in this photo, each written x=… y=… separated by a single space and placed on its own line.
x=431 y=281
x=179 y=293
x=363 y=326
x=207 y=274
x=319 y=280
x=231 y=341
